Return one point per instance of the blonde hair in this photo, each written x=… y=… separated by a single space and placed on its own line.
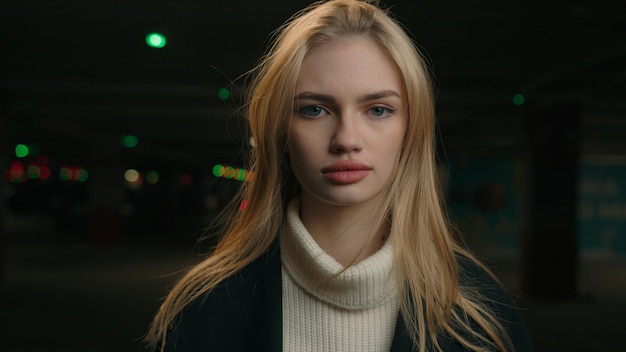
x=432 y=299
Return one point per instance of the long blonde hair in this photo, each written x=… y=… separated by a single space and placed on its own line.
x=431 y=297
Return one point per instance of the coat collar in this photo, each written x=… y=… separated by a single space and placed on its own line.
x=244 y=313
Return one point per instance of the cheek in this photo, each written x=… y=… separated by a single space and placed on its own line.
x=396 y=139
x=291 y=145
x=296 y=147
x=300 y=157
x=393 y=149
x=302 y=142
x=300 y=163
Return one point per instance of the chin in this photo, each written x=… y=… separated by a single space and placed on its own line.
x=346 y=200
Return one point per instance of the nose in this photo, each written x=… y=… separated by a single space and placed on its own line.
x=347 y=135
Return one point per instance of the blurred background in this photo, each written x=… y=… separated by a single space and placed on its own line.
x=120 y=139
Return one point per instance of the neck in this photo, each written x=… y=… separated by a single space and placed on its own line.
x=349 y=234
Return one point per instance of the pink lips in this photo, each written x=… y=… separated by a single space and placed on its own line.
x=346 y=172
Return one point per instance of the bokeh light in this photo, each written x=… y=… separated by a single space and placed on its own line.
x=21 y=150
x=152 y=177
x=130 y=141
x=223 y=93
x=131 y=176
x=156 y=40
x=231 y=173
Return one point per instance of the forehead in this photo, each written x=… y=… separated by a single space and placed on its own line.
x=352 y=61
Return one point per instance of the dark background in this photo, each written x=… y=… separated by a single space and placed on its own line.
x=83 y=264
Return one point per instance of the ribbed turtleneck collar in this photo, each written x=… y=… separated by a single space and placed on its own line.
x=366 y=284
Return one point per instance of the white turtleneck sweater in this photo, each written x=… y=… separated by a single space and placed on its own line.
x=354 y=311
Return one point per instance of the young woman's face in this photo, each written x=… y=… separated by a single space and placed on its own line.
x=348 y=123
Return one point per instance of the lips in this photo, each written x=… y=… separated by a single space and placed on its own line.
x=346 y=172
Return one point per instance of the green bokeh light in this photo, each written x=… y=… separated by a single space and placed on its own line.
x=519 y=99
x=230 y=172
x=130 y=141
x=156 y=40
x=33 y=172
x=152 y=177
x=21 y=150
x=218 y=170
x=81 y=175
x=241 y=175
x=223 y=93
x=65 y=173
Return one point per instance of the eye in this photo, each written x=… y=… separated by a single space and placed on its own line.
x=311 y=111
x=380 y=111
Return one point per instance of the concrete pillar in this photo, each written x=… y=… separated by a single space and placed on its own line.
x=549 y=251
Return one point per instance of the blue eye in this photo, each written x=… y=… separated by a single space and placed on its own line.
x=311 y=111
x=380 y=111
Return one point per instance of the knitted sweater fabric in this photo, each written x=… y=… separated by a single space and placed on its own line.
x=355 y=310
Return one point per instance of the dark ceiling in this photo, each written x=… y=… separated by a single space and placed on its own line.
x=78 y=74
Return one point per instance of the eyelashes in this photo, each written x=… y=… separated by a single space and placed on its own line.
x=316 y=111
x=312 y=111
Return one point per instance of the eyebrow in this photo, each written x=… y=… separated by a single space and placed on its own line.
x=329 y=99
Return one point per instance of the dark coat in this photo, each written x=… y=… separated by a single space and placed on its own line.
x=244 y=313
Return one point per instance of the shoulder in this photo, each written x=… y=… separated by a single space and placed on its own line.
x=242 y=305
x=477 y=280
x=474 y=276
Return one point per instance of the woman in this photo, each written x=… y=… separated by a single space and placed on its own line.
x=344 y=244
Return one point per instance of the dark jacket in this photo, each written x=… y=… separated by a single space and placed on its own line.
x=244 y=313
